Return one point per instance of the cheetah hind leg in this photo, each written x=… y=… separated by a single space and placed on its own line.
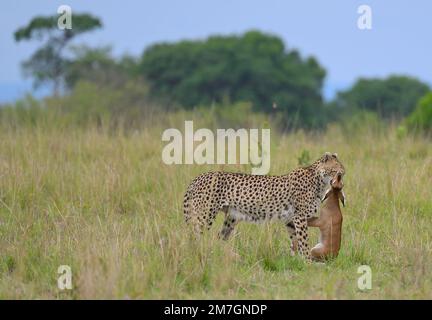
x=202 y=223
x=228 y=225
x=293 y=239
x=210 y=218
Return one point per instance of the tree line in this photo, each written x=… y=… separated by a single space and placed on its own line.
x=254 y=67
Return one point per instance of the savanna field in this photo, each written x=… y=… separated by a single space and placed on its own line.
x=102 y=201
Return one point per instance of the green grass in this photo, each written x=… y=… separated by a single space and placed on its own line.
x=105 y=204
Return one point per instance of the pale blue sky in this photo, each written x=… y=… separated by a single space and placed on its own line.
x=400 y=41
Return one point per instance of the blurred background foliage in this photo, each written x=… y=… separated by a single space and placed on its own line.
x=252 y=79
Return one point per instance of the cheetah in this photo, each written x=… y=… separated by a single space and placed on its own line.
x=291 y=198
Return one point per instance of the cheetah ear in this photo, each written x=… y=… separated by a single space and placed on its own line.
x=335 y=155
x=327 y=156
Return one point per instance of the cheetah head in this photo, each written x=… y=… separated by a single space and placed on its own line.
x=330 y=168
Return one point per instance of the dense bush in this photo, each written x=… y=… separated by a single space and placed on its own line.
x=421 y=118
x=24 y=112
x=392 y=98
x=98 y=66
x=254 y=67
x=88 y=104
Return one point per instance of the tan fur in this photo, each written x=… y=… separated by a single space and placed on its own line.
x=329 y=223
x=292 y=198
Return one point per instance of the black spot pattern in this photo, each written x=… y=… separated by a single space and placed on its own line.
x=291 y=198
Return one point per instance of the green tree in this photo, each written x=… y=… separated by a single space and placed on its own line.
x=421 y=118
x=254 y=67
x=98 y=66
x=48 y=63
x=391 y=98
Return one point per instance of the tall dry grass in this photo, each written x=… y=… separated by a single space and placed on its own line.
x=104 y=203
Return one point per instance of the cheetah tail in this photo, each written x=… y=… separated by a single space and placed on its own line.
x=187 y=206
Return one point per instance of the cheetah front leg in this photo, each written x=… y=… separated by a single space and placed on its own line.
x=311 y=222
x=301 y=233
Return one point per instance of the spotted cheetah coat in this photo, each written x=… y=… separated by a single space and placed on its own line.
x=290 y=198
